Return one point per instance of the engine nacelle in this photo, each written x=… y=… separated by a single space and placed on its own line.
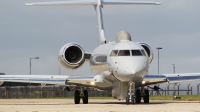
x=71 y=56
x=148 y=50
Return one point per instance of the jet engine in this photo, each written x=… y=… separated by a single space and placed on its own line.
x=71 y=56
x=148 y=50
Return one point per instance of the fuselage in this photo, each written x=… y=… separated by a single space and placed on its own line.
x=126 y=60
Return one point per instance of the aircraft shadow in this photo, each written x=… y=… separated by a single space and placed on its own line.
x=124 y=103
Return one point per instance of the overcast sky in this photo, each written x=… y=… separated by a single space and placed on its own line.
x=27 y=31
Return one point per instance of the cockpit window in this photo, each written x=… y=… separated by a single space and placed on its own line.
x=114 y=53
x=136 y=53
x=144 y=53
x=124 y=53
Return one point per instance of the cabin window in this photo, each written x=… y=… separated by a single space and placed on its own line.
x=100 y=58
x=124 y=53
x=136 y=53
x=114 y=53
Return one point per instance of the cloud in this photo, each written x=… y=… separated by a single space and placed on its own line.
x=41 y=31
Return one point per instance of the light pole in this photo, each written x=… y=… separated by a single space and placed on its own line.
x=30 y=62
x=59 y=69
x=158 y=48
x=174 y=67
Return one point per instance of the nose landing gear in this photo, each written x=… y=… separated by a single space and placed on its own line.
x=130 y=97
x=135 y=96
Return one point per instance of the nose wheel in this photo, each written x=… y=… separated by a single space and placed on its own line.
x=135 y=96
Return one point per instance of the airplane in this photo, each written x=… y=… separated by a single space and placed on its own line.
x=121 y=66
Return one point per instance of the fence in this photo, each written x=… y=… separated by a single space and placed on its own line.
x=43 y=92
x=177 y=89
x=56 y=91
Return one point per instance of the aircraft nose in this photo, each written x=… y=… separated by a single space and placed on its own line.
x=131 y=68
x=127 y=69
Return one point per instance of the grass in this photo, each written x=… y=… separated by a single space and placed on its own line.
x=183 y=97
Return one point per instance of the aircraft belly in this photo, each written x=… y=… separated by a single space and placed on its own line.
x=105 y=85
x=119 y=90
x=135 y=77
x=101 y=82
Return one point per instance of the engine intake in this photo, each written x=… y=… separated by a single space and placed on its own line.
x=71 y=56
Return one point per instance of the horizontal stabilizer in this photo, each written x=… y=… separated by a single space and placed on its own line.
x=57 y=3
x=92 y=2
x=122 y=2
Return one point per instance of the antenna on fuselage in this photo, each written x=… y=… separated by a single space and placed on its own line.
x=98 y=4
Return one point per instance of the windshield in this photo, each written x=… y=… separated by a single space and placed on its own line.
x=114 y=53
x=124 y=53
x=127 y=53
x=136 y=53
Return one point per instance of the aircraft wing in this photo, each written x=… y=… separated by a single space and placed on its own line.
x=171 y=78
x=184 y=77
x=89 y=80
x=48 y=79
x=154 y=79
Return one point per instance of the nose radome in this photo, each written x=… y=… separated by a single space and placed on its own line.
x=127 y=70
x=131 y=72
x=131 y=68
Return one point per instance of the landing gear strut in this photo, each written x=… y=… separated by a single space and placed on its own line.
x=78 y=95
x=130 y=97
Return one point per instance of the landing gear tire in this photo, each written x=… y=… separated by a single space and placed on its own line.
x=137 y=96
x=85 y=98
x=77 y=97
x=132 y=100
x=146 y=97
x=128 y=101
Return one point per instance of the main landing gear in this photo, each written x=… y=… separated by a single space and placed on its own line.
x=137 y=96
x=142 y=94
x=146 y=96
x=81 y=94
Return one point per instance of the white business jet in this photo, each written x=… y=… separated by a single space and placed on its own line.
x=122 y=65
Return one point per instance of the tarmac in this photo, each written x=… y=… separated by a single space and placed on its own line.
x=67 y=105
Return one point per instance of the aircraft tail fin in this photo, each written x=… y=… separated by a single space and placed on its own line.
x=98 y=7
